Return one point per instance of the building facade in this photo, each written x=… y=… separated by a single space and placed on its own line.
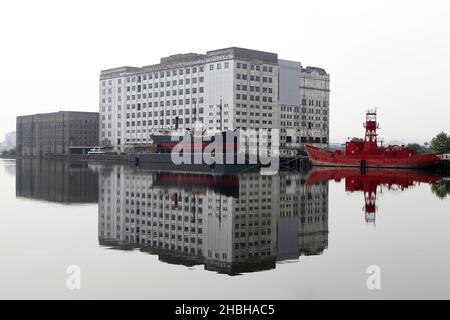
x=9 y=142
x=225 y=89
x=58 y=133
x=304 y=117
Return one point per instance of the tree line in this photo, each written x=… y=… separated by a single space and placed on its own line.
x=440 y=144
x=8 y=153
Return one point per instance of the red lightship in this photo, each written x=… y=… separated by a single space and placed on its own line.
x=367 y=153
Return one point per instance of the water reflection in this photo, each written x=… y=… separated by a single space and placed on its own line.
x=441 y=190
x=230 y=224
x=371 y=182
x=10 y=167
x=56 y=181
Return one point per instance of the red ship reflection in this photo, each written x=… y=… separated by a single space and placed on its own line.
x=368 y=181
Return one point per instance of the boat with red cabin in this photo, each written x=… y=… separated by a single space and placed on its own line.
x=368 y=153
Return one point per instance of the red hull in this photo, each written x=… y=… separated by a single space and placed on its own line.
x=320 y=157
x=358 y=181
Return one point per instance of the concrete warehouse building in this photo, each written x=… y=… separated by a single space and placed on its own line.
x=58 y=133
x=225 y=89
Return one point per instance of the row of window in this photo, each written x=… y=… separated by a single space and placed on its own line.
x=156 y=75
x=244 y=106
x=241 y=65
x=167 y=112
x=158 y=95
x=254 y=121
x=303 y=124
x=251 y=97
x=306 y=140
x=161 y=103
x=138 y=106
x=317 y=103
x=253 y=88
x=243 y=76
x=304 y=110
x=187 y=70
x=226 y=65
x=168 y=121
x=253 y=114
x=303 y=117
x=162 y=84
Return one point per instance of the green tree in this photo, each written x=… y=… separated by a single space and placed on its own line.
x=8 y=153
x=356 y=139
x=441 y=143
x=419 y=148
x=441 y=190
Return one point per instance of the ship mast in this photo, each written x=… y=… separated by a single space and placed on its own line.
x=371 y=126
x=221 y=120
x=194 y=121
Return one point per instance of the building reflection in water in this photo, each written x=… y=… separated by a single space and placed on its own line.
x=10 y=167
x=230 y=224
x=56 y=181
x=371 y=181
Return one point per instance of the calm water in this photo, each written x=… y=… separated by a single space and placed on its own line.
x=137 y=233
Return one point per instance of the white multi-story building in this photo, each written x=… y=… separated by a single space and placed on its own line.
x=304 y=113
x=224 y=89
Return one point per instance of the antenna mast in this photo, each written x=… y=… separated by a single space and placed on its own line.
x=371 y=126
x=221 y=125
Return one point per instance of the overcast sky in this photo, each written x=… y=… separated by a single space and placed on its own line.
x=394 y=55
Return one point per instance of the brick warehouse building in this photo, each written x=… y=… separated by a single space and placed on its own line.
x=57 y=133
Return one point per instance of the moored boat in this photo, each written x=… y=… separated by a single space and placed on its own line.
x=367 y=153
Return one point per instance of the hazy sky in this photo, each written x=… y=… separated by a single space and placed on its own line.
x=391 y=54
